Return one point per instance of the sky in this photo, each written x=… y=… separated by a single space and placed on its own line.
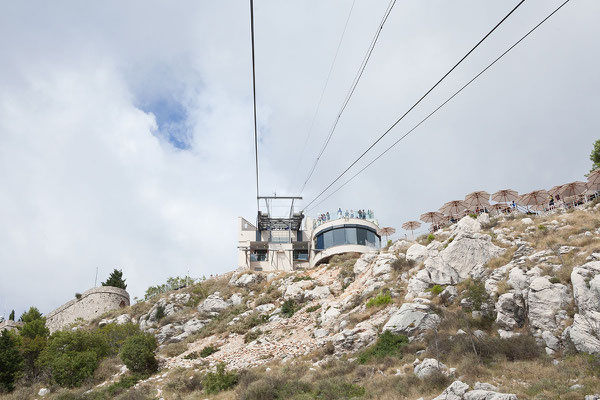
x=126 y=130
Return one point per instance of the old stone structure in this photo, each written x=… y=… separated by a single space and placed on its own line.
x=91 y=304
x=10 y=325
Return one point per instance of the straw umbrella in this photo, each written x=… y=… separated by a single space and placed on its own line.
x=505 y=196
x=432 y=217
x=411 y=226
x=554 y=191
x=498 y=207
x=534 y=198
x=386 y=232
x=479 y=199
x=594 y=180
x=572 y=189
x=453 y=207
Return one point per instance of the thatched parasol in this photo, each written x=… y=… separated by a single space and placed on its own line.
x=453 y=207
x=386 y=232
x=534 y=198
x=479 y=199
x=593 y=180
x=505 y=196
x=572 y=189
x=411 y=226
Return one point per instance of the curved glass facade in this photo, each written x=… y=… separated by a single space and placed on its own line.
x=347 y=234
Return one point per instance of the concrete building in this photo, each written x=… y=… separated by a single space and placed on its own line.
x=295 y=242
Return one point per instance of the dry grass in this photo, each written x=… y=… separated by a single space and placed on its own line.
x=173 y=349
x=501 y=260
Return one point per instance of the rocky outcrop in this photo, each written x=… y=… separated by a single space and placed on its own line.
x=428 y=367
x=412 y=319
x=510 y=311
x=460 y=391
x=213 y=305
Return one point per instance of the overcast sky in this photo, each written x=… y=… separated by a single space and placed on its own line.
x=126 y=127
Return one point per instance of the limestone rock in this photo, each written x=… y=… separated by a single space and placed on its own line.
x=586 y=286
x=412 y=319
x=449 y=294
x=43 y=391
x=417 y=253
x=213 y=305
x=363 y=263
x=455 y=391
x=510 y=312
x=467 y=224
x=479 y=394
x=319 y=292
x=483 y=218
x=245 y=280
x=295 y=290
x=546 y=300
x=585 y=332
x=428 y=367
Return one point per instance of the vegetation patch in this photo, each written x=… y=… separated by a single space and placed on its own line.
x=380 y=300
x=208 y=350
x=388 y=345
x=289 y=308
x=215 y=382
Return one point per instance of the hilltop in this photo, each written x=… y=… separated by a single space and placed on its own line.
x=488 y=308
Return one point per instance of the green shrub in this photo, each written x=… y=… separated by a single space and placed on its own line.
x=313 y=308
x=474 y=216
x=302 y=278
x=252 y=335
x=160 y=312
x=402 y=265
x=11 y=361
x=380 y=300
x=388 y=345
x=476 y=293
x=115 y=335
x=192 y=356
x=71 y=357
x=115 y=279
x=338 y=389
x=208 y=350
x=436 y=290
x=542 y=228
x=124 y=383
x=289 y=307
x=554 y=279
x=430 y=238
x=215 y=382
x=137 y=353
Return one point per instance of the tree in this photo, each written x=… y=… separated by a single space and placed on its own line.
x=137 y=353
x=34 y=336
x=11 y=361
x=595 y=156
x=115 y=279
x=11 y=317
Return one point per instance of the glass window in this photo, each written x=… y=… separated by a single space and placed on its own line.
x=328 y=239
x=350 y=235
x=370 y=238
x=320 y=245
x=300 y=255
x=377 y=242
x=338 y=237
x=361 y=236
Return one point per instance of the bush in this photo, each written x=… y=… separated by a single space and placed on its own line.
x=380 y=300
x=289 y=307
x=388 y=345
x=115 y=279
x=124 y=383
x=11 y=360
x=302 y=278
x=72 y=357
x=436 y=290
x=215 y=382
x=402 y=264
x=313 y=308
x=476 y=293
x=137 y=353
x=160 y=312
x=192 y=356
x=430 y=238
x=252 y=335
x=208 y=350
x=338 y=389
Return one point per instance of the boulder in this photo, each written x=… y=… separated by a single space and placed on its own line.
x=455 y=391
x=363 y=263
x=417 y=253
x=382 y=267
x=584 y=333
x=467 y=224
x=510 y=311
x=43 y=391
x=479 y=394
x=527 y=221
x=466 y=253
x=586 y=286
x=483 y=219
x=449 y=294
x=213 y=305
x=399 y=245
x=412 y=319
x=245 y=280
x=235 y=299
x=360 y=336
x=264 y=308
x=319 y=292
x=428 y=367
x=295 y=290
x=546 y=302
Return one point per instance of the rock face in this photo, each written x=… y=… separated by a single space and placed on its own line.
x=213 y=305
x=412 y=319
x=585 y=331
x=460 y=391
x=455 y=391
x=245 y=280
x=510 y=311
x=546 y=304
x=428 y=367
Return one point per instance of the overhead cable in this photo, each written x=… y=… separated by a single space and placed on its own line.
x=444 y=103
x=418 y=101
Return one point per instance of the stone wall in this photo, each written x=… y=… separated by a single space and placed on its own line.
x=10 y=325
x=92 y=304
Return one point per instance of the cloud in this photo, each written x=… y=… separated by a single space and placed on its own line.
x=126 y=129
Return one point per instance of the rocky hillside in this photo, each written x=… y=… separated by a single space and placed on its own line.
x=500 y=308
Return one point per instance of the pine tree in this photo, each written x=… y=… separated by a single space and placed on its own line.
x=115 y=279
x=595 y=156
x=11 y=361
x=34 y=337
x=11 y=317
